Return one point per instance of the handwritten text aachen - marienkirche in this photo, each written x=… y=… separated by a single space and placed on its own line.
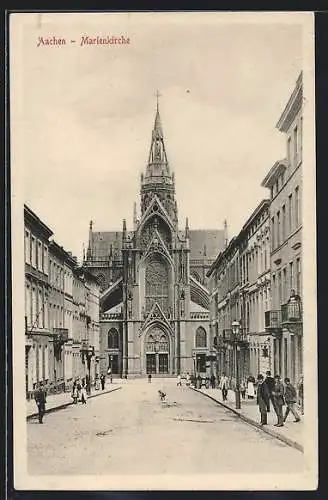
x=83 y=40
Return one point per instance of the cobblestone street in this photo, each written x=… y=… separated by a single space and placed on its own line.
x=131 y=432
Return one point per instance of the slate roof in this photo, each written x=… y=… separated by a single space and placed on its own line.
x=101 y=242
x=213 y=239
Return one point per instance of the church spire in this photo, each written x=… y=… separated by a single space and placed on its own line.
x=157 y=179
x=157 y=168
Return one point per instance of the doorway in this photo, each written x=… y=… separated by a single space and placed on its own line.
x=163 y=363
x=113 y=363
x=157 y=350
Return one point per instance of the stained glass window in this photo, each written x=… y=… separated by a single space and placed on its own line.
x=200 y=337
x=157 y=283
x=113 y=339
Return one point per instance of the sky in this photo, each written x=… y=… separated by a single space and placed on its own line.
x=84 y=115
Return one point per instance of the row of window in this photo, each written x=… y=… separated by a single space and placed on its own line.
x=255 y=306
x=36 y=252
x=255 y=262
x=286 y=220
x=40 y=313
x=246 y=268
x=294 y=157
x=286 y=279
x=163 y=345
x=295 y=144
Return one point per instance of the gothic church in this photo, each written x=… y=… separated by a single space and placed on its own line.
x=154 y=301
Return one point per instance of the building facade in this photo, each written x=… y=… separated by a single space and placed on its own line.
x=255 y=288
x=155 y=300
x=257 y=279
x=61 y=312
x=284 y=180
x=38 y=336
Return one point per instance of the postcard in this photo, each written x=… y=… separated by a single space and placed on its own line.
x=163 y=250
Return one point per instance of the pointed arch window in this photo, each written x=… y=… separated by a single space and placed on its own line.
x=200 y=340
x=113 y=339
x=157 y=279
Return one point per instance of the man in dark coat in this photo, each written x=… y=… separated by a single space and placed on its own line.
x=269 y=382
x=278 y=400
x=263 y=399
x=40 y=396
x=291 y=399
x=102 y=381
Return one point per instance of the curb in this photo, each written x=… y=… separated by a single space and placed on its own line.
x=271 y=432
x=65 y=405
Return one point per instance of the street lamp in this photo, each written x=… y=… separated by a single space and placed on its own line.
x=87 y=353
x=110 y=370
x=194 y=360
x=235 y=332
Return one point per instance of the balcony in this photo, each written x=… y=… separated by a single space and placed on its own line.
x=60 y=335
x=241 y=338
x=291 y=316
x=272 y=321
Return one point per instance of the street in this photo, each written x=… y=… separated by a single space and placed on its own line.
x=130 y=431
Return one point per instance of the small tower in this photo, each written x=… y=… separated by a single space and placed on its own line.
x=225 y=233
x=187 y=229
x=135 y=220
x=89 y=251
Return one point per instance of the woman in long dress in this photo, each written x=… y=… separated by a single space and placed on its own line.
x=84 y=396
x=250 y=388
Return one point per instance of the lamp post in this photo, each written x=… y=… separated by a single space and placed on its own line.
x=89 y=354
x=194 y=360
x=110 y=370
x=235 y=331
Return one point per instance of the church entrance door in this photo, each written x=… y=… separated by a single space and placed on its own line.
x=163 y=362
x=151 y=363
x=157 y=352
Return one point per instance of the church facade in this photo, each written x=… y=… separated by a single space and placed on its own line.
x=154 y=300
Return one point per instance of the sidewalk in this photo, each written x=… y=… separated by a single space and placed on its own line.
x=291 y=433
x=62 y=400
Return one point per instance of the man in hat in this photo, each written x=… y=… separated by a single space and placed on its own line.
x=262 y=399
x=40 y=396
x=278 y=400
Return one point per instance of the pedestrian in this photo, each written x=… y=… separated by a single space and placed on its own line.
x=110 y=375
x=179 y=380
x=213 y=381
x=269 y=382
x=224 y=386
x=40 y=397
x=243 y=389
x=250 y=387
x=74 y=393
x=301 y=395
x=84 y=393
x=278 y=400
x=97 y=382
x=102 y=381
x=188 y=380
x=149 y=378
x=262 y=399
x=79 y=389
x=290 y=399
x=199 y=382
